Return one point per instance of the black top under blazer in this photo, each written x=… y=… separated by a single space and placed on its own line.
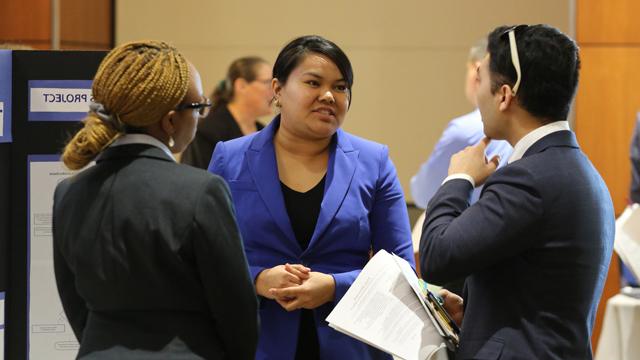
x=149 y=261
x=535 y=249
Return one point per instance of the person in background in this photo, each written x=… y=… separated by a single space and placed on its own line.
x=238 y=100
x=312 y=200
x=535 y=248
x=628 y=278
x=461 y=132
x=634 y=192
x=148 y=257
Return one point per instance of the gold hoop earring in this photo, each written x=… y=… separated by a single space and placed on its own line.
x=276 y=102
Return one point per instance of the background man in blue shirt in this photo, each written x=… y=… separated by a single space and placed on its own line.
x=461 y=132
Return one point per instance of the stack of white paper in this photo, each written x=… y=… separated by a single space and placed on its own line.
x=627 y=241
x=382 y=309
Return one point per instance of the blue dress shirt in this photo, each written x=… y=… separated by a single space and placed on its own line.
x=461 y=132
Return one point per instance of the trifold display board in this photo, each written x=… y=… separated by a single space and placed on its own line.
x=5 y=175
x=51 y=91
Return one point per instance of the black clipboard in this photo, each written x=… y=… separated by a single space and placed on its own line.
x=443 y=320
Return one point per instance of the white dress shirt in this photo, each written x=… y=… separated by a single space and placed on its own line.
x=142 y=139
x=532 y=137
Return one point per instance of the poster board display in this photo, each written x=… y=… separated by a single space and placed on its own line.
x=50 y=335
x=32 y=330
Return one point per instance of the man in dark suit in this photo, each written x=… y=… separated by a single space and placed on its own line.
x=536 y=246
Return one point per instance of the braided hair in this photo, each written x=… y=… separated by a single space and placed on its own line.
x=137 y=83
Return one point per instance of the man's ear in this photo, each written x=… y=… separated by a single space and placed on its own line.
x=506 y=97
x=167 y=122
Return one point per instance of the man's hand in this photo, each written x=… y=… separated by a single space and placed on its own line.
x=454 y=305
x=280 y=276
x=473 y=162
x=318 y=289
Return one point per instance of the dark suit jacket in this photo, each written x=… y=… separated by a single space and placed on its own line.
x=148 y=257
x=536 y=250
x=218 y=126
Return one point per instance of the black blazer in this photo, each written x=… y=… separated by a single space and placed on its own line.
x=148 y=259
x=536 y=249
x=218 y=126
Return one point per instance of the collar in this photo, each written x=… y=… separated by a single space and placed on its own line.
x=532 y=137
x=128 y=139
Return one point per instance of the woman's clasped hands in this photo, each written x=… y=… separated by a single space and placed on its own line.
x=295 y=286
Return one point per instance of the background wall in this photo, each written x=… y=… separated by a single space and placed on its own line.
x=26 y=22
x=408 y=56
x=607 y=101
x=57 y=24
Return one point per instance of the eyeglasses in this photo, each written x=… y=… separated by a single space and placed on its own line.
x=201 y=108
x=265 y=82
x=515 y=59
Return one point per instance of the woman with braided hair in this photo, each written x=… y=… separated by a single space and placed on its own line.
x=238 y=100
x=147 y=253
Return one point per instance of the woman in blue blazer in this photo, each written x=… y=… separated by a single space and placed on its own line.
x=313 y=202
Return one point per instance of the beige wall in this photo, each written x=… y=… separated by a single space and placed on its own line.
x=408 y=56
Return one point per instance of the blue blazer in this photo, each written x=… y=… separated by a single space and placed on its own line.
x=535 y=249
x=363 y=208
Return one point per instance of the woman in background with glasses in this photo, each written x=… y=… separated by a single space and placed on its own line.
x=312 y=201
x=238 y=100
x=147 y=254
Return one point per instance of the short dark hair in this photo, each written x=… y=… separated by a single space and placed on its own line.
x=296 y=50
x=549 y=63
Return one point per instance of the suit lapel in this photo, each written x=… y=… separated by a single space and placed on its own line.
x=261 y=160
x=340 y=171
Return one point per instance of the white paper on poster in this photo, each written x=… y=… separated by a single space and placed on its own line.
x=1 y=118
x=1 y=325
x=59 y=100
x=50 y=335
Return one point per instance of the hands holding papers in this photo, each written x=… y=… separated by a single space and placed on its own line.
x=386 y=308
x=295 y=286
